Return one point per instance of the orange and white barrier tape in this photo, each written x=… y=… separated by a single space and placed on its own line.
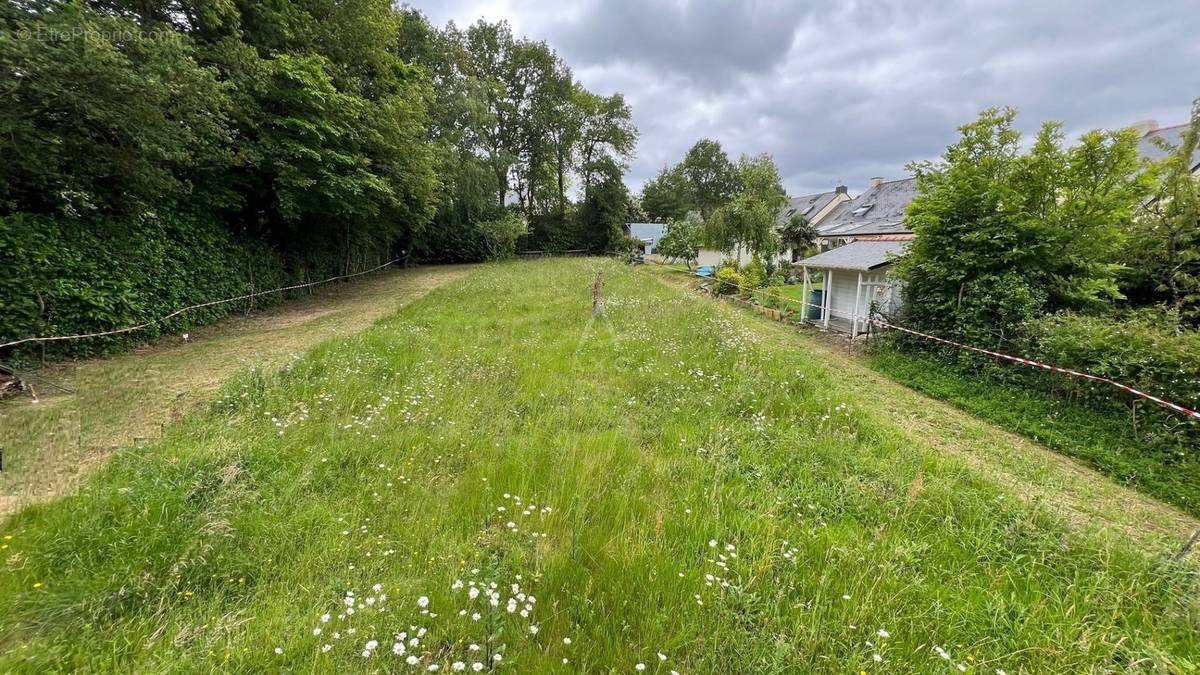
x=1182 y=410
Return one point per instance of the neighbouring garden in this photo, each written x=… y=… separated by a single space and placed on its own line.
x=1084 y=255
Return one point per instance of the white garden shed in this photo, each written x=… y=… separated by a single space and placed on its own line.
x=854 y=276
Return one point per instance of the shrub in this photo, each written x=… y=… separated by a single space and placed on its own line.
x=1146 y=350
x=729 y=281
x=755 y=273
x=500 y=235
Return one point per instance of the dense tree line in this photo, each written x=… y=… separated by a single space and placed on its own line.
x=165 y=151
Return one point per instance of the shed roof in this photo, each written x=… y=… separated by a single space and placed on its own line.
x=879 y=210
x=857 y=255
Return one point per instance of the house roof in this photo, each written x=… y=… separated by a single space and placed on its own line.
x=806 y=205
x=879 y=210
x=1149 y=148
x=857 y=255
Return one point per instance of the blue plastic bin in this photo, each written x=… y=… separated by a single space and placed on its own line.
x=814 y=299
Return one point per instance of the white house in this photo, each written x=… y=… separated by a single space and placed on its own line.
x=859 y=241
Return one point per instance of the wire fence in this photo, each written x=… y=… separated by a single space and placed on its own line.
x=181 y=310
x=875 y=319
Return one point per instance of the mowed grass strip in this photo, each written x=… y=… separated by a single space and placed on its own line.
x=489 y=480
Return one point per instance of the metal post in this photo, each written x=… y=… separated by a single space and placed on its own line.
x=854 y=319
x=827 y=297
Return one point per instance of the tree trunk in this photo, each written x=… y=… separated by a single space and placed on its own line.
x=562 y=187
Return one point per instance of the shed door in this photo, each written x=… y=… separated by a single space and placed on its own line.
x=841 y=302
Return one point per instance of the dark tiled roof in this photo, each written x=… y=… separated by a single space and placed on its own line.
x=1150 y=150
x=879 y=210
x=857 y=255
x=807 y=205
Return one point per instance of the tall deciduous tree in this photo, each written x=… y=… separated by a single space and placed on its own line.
x=711 y=177
x=601 y=217
x=666 y=197
x=1166 y=243
x=1003 y=236
x=747 y=222
x=607 y=137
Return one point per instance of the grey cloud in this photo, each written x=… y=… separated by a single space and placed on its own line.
x=848 y=90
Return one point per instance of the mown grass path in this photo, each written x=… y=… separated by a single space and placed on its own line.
x=120 y=401
x=489 y=480
x=1044 y=479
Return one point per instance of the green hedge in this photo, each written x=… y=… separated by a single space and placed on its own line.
x=66 y=276
x=1147 y=350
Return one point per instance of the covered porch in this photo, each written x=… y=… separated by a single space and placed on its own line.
x=855 y=279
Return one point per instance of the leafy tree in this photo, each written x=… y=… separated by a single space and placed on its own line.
x=634 y=212
x=666 y=197
x=798 y=233
x=93 y=123
x=1166 y=241
x=711 y=178
x=607 y=137
x=681 y=241
x=1002 y=236
x=601 y=217
x=500 y=235
x=747 y=223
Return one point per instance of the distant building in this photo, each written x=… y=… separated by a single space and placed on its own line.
x=649 y=234
x=859 y=241
x=877 y=211
x=1152 y=134
x=815 y=207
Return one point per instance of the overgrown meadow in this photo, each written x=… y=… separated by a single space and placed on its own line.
x=491 y=481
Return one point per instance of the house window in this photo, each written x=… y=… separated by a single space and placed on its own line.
x=862 y=210
x=791 y=212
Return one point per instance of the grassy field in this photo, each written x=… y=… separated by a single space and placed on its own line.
x=1104 y=439
x=490 y=480
x=127 y=399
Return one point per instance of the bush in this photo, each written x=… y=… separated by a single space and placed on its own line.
x=1146 y=350
x=500 y=235
x=755 y=273
x=62 y=276
x=729 y=281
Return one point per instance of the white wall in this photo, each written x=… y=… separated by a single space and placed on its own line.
x=845 y=285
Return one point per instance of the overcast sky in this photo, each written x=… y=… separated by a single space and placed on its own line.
x=846 y=90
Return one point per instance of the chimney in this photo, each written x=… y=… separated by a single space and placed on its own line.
x=1144 y=127
x=876 y=180
x=842 y=190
